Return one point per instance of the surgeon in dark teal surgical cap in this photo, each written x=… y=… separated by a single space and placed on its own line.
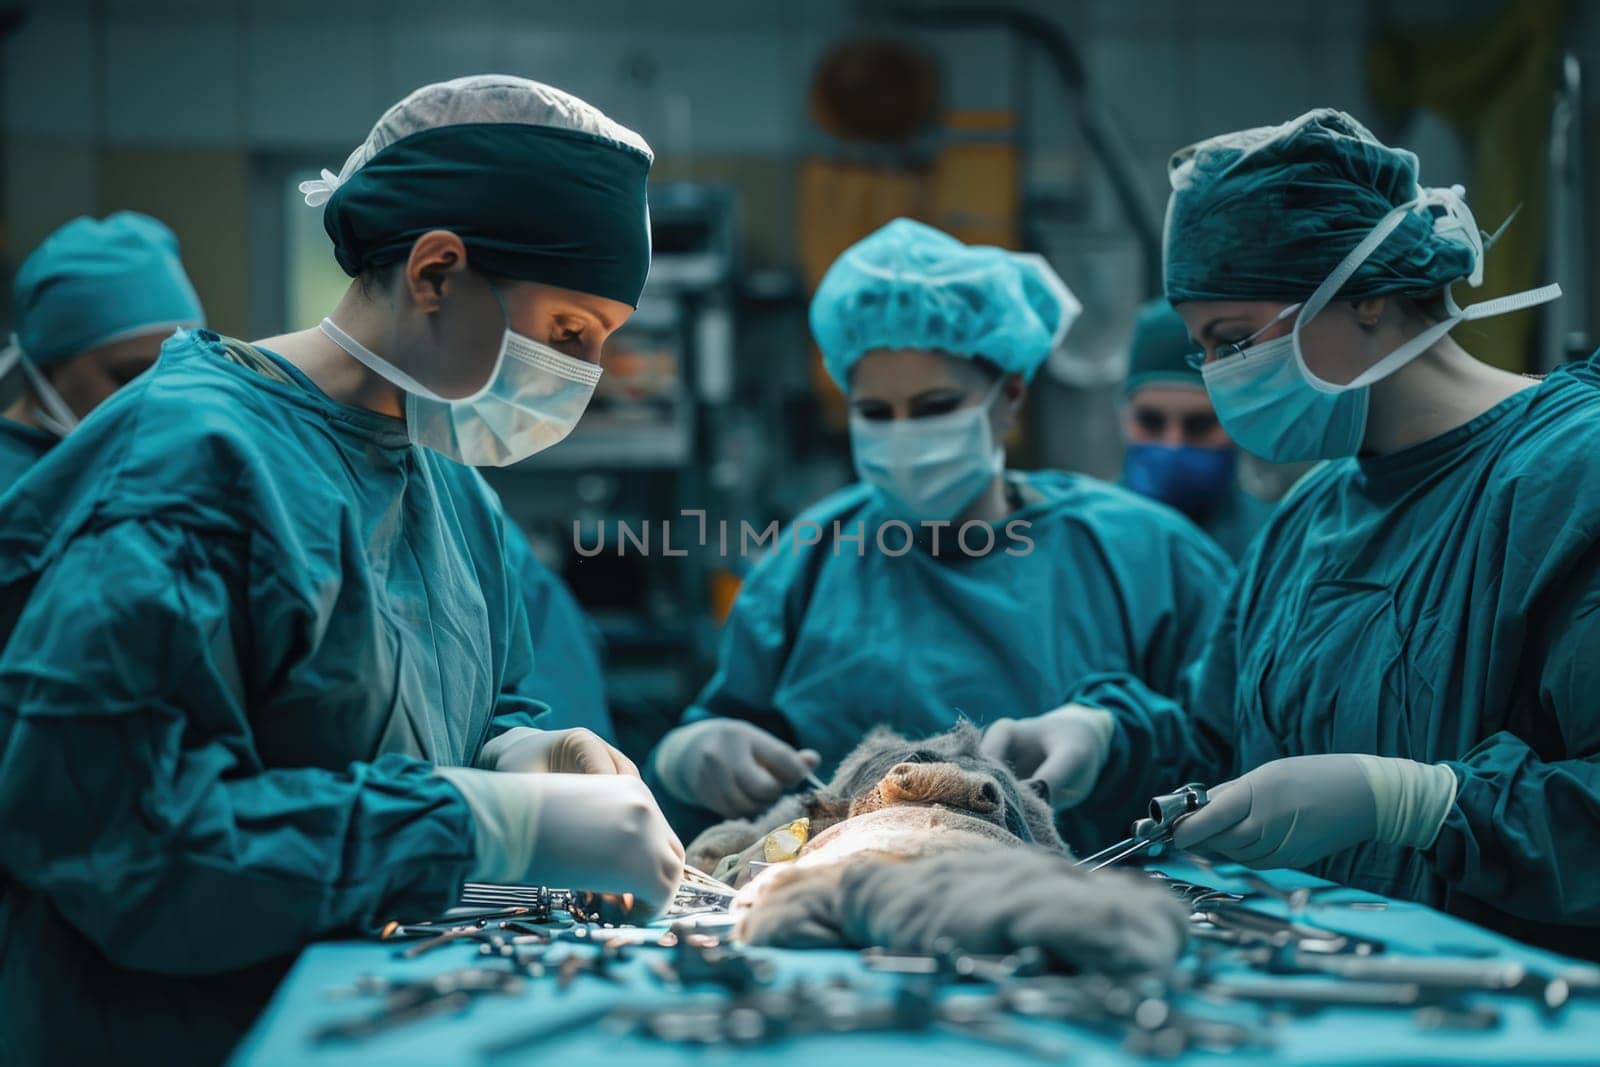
x=265 y=667
x=1401 y=692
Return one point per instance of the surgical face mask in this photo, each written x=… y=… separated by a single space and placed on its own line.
x=1275 y=407
x=1191 y=479
x=929 y=468
x=532 y=400
x=1271 y=409
x=51 y=411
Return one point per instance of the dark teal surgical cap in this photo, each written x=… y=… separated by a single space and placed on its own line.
x=1161 y=349
x=536 y=203
x=1266 y=214
x=539 y=185
x=95 y=281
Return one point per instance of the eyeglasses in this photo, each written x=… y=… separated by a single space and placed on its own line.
x=1196 y=360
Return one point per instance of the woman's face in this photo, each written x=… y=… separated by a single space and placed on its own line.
x=573 y=323
x=914 y=383
x=450 y=340
x=1338 y=344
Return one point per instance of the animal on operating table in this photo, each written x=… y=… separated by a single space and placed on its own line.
x=946 y=774
x=916 y=843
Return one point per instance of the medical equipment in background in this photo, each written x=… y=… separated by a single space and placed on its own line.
x=1127 y=257
x=1112 y=261
x=640 y=458
x=1565 y=334
x=1093 y=123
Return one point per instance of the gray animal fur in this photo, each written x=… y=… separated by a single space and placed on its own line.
x=991 y=881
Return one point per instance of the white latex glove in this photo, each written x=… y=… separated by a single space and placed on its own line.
x=573 y=831
x=576 y=751
x=729 y=766
x=1293 y=812
x=1065 y=749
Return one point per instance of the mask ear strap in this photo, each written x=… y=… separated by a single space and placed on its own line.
x=53 y=414
x=1489 y=240
x=12 y=383
x=10 y=357
x=375 y=363
x=505 y=312
x=1324 y=293
x=1427 y=338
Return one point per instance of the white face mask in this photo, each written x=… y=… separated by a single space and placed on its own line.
x=929 y=468
x=533 y=398
x=50 y=410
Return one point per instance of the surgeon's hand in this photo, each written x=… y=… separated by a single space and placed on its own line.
x=576 y=751
x=1065 y=749
x=729 y=766
x=1293 y=812
x=575 y=831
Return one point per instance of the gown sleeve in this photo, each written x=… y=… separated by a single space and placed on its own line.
x=523 y=702
x=1159 y=742
x=755 y=645
x=131 y=791
x=756 y=642
x=1191 y=594
x=567 y=673
x=1524 y=832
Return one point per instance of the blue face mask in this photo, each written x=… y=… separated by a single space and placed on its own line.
x=1275 y=406
x=1193 y=480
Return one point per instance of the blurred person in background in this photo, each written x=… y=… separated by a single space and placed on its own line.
x=1177 y=451
x=92 y=303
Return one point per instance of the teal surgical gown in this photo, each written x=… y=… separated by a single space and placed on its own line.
x=1235 y=521
x=828 y=641
x=1440 y=604
x=239 y=623
x=567 y=648
x=20 y=448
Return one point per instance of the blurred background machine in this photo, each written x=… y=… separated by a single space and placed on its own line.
x=606 y=509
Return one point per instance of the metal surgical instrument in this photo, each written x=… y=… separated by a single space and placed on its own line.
x=1154 y=833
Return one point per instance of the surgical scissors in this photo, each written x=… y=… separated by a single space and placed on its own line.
x=1155 y=832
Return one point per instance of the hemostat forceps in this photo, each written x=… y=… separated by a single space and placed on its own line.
x=1154 y=833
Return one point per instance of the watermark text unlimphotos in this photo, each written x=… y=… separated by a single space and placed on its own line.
x=894 y=537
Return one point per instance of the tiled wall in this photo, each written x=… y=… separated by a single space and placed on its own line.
x=716 y=80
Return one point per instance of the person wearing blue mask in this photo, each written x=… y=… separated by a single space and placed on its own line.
x=1176 y=450
x=92 y=304
x=940 y=585
x=263 y=664
x=1400 y=694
